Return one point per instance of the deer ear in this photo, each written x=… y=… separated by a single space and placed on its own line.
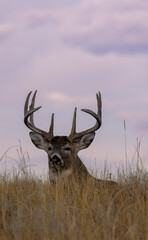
x=38 y=140
x=85 y=141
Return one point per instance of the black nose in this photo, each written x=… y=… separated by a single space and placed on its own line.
x=56 y=160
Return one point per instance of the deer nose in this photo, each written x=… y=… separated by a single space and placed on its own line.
x=56 y=160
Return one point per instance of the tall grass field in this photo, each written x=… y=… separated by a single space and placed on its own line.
x=33 y=209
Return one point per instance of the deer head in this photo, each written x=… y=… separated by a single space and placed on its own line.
x=62 y=150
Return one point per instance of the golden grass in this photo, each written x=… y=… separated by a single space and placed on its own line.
x=33 y=209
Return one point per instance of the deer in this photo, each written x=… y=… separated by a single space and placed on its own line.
x=62 y=151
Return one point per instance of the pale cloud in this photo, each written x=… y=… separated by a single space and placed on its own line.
x=129 y=106
x=142 y=125
x=138 y=119
x=108 y=26
x=56 y=50
x=59 y=99
x=99 y=27
x=5 y=30
x=36 y=18
x=133 y=115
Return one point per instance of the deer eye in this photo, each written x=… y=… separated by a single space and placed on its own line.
x=49 y=148
x=67 y=149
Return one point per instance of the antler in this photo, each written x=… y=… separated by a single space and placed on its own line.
x=73 y=135
x=28 y=113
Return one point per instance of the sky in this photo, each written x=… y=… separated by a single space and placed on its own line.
x=69 y=50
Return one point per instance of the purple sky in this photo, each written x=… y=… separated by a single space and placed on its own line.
x=68 y=50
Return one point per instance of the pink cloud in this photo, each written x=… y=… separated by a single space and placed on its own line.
x=95 y=26
x=133 y=115
x=6 y=29
x=59 y=99
x=108 y=26
x=40 y=55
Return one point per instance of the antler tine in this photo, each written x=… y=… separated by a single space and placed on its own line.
x=28 y=113
x=97 y=116
x=50 y=133
x=73 y=130
x=73 y=135
x=99 y=105
x=32 y=107
x=26 y=103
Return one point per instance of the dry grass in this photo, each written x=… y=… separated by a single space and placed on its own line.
x=32 y=209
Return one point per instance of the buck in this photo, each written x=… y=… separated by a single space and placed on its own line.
x=62 y=151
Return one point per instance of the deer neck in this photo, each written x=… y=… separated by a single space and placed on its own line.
x=78 y=168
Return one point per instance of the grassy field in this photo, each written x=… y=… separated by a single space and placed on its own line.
x=33 y=209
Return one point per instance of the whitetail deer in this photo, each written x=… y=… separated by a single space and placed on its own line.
x=62 y=150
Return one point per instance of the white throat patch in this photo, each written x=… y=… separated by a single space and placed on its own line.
x=64 y=173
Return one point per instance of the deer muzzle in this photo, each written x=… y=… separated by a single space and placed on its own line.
x=56 y=160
